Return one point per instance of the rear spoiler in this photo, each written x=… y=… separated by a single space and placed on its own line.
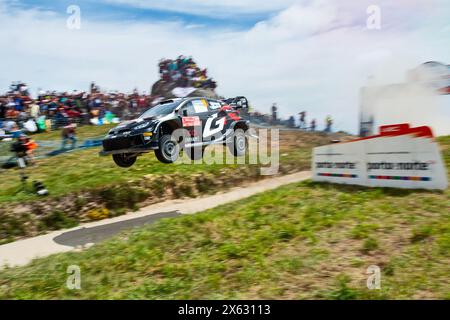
x=238 y=102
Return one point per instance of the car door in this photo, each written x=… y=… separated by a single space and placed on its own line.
x=194 y=115
x=216 y=123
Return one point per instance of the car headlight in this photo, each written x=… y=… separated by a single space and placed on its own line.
x=143 y=126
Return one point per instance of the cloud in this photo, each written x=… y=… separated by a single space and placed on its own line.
x=298 y=21
x=312 y=55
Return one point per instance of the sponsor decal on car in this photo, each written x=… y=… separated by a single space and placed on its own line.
x=191 y=121
x=200 y=106
x=213 y=125
x=214 y=105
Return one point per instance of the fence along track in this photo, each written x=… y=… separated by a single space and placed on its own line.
x=45 y=147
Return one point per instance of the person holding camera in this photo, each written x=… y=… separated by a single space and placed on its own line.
x=20 y=147
x=23 y=148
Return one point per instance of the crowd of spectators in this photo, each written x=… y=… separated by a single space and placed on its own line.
x=185 y=73
x=274 y=120
x=51 y=109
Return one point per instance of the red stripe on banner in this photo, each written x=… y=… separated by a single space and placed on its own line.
x=445 y=90
x=423 y=131
x=399 y=130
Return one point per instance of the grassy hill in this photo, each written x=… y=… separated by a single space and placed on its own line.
x=84 y=186
x=305 y=240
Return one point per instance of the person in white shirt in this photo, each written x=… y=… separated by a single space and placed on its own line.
x=34 y=110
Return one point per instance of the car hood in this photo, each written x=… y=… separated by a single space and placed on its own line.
x=130 y=124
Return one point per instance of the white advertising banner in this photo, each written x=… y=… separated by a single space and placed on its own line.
x=400 y=157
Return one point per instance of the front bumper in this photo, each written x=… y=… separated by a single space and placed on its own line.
x=128 y=144
x=130 y=150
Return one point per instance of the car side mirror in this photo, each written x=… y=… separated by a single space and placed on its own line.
x=184 y=113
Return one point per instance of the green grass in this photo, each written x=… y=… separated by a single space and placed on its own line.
x=295 y=242
x=86 y=169
x=304 y=240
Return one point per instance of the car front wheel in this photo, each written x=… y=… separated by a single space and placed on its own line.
x=168 y=149
x=124 y=160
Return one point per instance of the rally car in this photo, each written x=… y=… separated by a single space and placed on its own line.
x=206 y=121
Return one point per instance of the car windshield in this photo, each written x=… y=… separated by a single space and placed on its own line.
x=159 y=110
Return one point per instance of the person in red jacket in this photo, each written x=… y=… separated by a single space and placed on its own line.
x=30 y=145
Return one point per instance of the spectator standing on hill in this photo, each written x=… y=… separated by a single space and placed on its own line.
x=12 y=113
x=68 y=133
x=34 y=110
x=274 y=113
x=3 y=109
x=291 y=122
x=313 y=125
x=328 y=123
x=302 y=119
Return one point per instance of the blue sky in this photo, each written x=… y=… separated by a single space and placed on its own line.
x=120 y=11
x=309 y=55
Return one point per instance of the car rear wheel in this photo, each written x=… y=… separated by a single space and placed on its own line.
x=124 y=160
x=239 y=147
x=168 y=149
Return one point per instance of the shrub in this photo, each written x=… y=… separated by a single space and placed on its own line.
x=122 y=197
x=57 y=220
x=369 y=244
x=343 y=291
x=98 y=214
x=421 y=233
x=80 y=201
x=10 y=227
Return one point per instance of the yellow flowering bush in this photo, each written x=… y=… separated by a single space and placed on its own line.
x=98 y=214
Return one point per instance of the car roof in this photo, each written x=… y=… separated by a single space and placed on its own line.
x=184 y=99
x=170 y=100
x=193 y=98
x=181 y=100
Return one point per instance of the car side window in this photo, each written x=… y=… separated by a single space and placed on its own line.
x=214 y=105
x=200 y=105
x=188 y=109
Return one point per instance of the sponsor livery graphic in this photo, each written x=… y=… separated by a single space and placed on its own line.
x=399 y=156
x=214 y=125
x=191 y=121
